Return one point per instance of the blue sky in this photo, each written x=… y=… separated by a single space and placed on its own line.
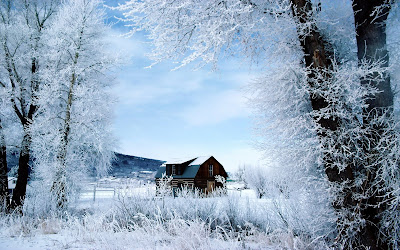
x=164 y=114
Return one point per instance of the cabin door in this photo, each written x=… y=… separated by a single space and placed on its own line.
x=210 y=186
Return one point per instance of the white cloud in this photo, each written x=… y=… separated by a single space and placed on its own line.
x=136 y=90
x=214 y=108
x=125 y=47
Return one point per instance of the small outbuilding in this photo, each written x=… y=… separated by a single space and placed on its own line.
x=197 y=173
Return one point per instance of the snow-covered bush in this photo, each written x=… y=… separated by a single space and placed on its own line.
x=256 y=178
x=234 y=219
x=101 y=231
x=229 y=212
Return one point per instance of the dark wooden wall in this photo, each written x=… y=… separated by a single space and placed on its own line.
x=218 y=169
x=202 y=175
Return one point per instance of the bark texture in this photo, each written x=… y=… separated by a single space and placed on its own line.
x=371 y=42
x=317 y=59
x=23 y=174
x=25 y=115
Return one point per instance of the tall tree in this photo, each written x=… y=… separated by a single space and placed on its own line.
x=23 y=25
x=74 y=99
x=371 y=48
x=347 y=102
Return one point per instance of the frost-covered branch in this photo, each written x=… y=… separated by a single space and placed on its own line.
x=324 y=100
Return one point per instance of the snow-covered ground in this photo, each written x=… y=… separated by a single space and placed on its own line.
x=125 y=214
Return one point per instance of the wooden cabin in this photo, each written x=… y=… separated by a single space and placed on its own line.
x=197 y=173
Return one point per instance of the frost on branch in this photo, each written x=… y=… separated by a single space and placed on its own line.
x=204 y=31
x=315 y=121
x=164 y=185
x=73 y=134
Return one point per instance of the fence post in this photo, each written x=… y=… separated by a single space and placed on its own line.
x=94 y=193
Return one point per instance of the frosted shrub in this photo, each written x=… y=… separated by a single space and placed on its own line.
x=255 y=177
x=227 y=222
x=100 y=232
x=16 y=226
x=221 y=180
x=163 y=186
x=228 y=212
x=188 y=192
x=229 y=218
x=39 y=201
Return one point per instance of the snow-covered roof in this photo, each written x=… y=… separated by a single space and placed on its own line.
x=190 y=172
x=197 y=160
x=179 y=160
x=200 y=160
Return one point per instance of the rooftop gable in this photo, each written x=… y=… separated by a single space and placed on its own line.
x=200 y=160
x=190 y=171
x=179 y=160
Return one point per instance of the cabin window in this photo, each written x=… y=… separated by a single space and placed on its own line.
x=173 y=170
x=210 y=170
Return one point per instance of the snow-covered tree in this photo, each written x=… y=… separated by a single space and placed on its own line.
x=55 y=73
x=326 y=93
x=72 y=134
x=23 y=24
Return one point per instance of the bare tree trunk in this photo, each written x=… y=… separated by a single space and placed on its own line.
x=25 y=114
x=4 y=200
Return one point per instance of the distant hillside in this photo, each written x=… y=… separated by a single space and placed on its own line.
x=124 y=166
x=134 y=167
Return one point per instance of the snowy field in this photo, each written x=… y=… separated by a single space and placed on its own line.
x=125 y=214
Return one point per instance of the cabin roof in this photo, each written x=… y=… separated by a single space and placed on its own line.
x=200 y=160
x=179 y=160
x=190 y=171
